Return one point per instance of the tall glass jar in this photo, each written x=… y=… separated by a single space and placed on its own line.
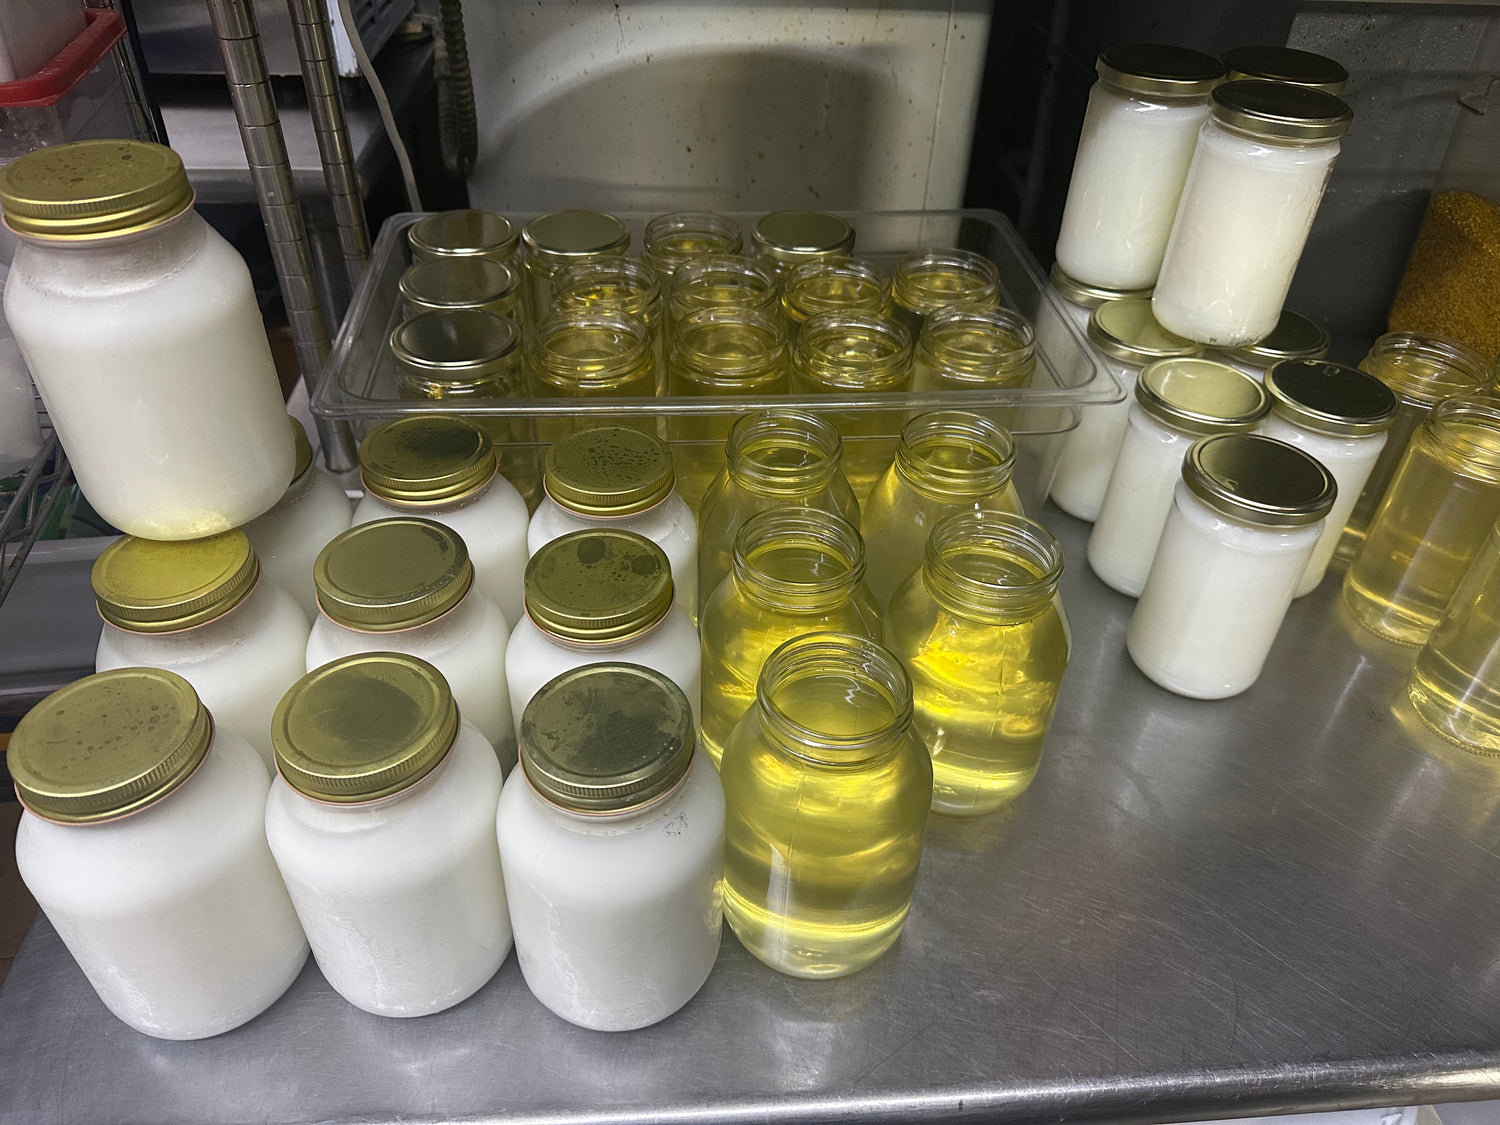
x=928 y=280
x=674 y=239
x=833 y=285
x=465 y=233
x=796 y=571
x=827 y=790
x=964 y=349
x=618 y=284
x=723 y=281
x=981 y=632
x=591 y=354
x=560 y=239
x=461 y=283
x=788 y=239
x=1286 y=64
x=1294 y=337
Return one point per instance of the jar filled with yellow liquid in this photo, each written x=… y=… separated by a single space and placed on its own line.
x=774 y=459
x=929 y=280
x=460 y=283
x=560 y=239
x=945 y=462
x=677 y=238
x=833 y=285
x=618 y=284
x=788 y=239
x=722 y=281
x=827 y=792
x=1442 y=503
x=591 y=354
x=975 y=350
x=982 y=634
x=796 y=571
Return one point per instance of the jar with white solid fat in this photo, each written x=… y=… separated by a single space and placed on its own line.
x=612 y=476
x=288 y=538
x=143 y=841
x=1294 y=337
x=407 y=585
x=382 y=820
x=143 y=335
x=1251 y=195
x=202 y=609
x=1177 y=401
x=1138 y=133
x=1341 y=416
x=1129 y=337
x=612 y=839
x=442 y=468
x=1244 y=521
x=598 y=596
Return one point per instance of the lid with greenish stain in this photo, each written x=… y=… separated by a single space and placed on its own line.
x=147 y=586
x=426 y=459
x=88 y=189
x=1127 y=330
x=1199 y=396
x=392 y=574
x=1258 y=480
x=1329 y=398
x=598 y=586
x=608 y=471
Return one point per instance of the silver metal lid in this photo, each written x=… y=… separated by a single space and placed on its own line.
x=462 y=234
x=1160 y=70
x=459 y=283
x=1258 y=480
x=1128 y=330
x=1286 y=64
x=1274 y=111
x=1089 y=296
x=560 y=237
x=466 y=344
x=1294 y=337
x=1329 y=398
x=1199 y=396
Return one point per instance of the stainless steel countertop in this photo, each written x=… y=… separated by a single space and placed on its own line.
x=1282 y=901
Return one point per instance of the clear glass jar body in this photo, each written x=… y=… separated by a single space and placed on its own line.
x=673 y=240
x=151 y=356
x=618 y=284
x=617 y=917
x=1215 y=599
x=287 y=539
x=1245 y=212
x=927 y=281
x=176 y=914
x=1090 y=448
x=826 y=759
x=587 y=355
x=1132 y=159
x=240 y=663
x=402 y=899
x=975 y=350
x=723 y=281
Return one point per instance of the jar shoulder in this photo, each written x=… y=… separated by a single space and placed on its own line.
x=268 y=623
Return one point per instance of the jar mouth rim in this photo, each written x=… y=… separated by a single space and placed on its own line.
x=721 y=369
x=855 y=659
x=884 y=364
x=1476 y=410
x=754 y=435
x=985 y=597
x=779 y=529
x=939 y=430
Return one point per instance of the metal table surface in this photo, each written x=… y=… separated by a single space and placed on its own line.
x=1281 y=901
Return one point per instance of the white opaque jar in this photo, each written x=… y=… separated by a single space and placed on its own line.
x=600 y=596
x=442 y=468
x=382 y=820
x=142 y=332
x=1177 y=401
x=1253 y=189
x=1341 y=416
x=1294 y=337
x=1244 y=521
x=204 y=610
x=613 y=476
x=612 y=838
x=1128 y=337
x=143 y=842
x=407 y=585
x=1138 y=133
x=288 y=538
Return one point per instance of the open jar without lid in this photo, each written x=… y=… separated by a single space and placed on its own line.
x=674 y=239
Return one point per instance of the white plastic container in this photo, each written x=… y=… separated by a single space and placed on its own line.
x=1142 y=120
x=141 y=329
x=143 y=842
x=594 y=597
x=1177 y=401
x=1294 y=337
x=407 y=585
x=442 y=468
x=612 y=838
x=288 y=538
x=1244 y=521
x=203 y=609
x=382 y=820
x=1253 y=189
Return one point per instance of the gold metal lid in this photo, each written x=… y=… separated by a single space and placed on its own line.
x=1286 y=64
x=608 y=471
x=598 y=586
x=1294 y=337
x=1274 y=111
x=1258 y=480
x=392 y=574
x=560 y=237
x=108 y=745
x=459 y=345
x=426 y=459
x=462 y=234
x=363 y=727
x=1089 y=296
x=90 y=188
x=146 y=586
x=606 y=738
x=459 y=283
x=1329 y=398
x=793 y=237
x=1200 y=396
x=303 y=450
x=1128 y=330
x=1160 y=70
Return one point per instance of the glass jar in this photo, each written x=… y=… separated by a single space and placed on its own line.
x=382 y=821
x=612 y=838
x=449 y=284
x=593 y=354
x=929 y=280
x=598 y=596
x=143 y=842
x=1252 y=191
x=407 y=585
x=1142 y=120
x=945 y=462
x=617 y=284
x=288 y=538
x=788 y=239
x=1177 y=401
x=827 y=789
x=796 y=571
x=674 y=239
x=1294 y=337
x=462 y=234
x=1244 y=521
x=200 y=608
x=833 y=285
x=1339 y=415
x=981 y=632
x=560 y=239
x=1129 y=337
x=773 y=459
x=723 y=281
x=115 y=275
x=1068 y=299
x=1442 y=503
x=1286 y=64
x=974 y=350
x=442 y=468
